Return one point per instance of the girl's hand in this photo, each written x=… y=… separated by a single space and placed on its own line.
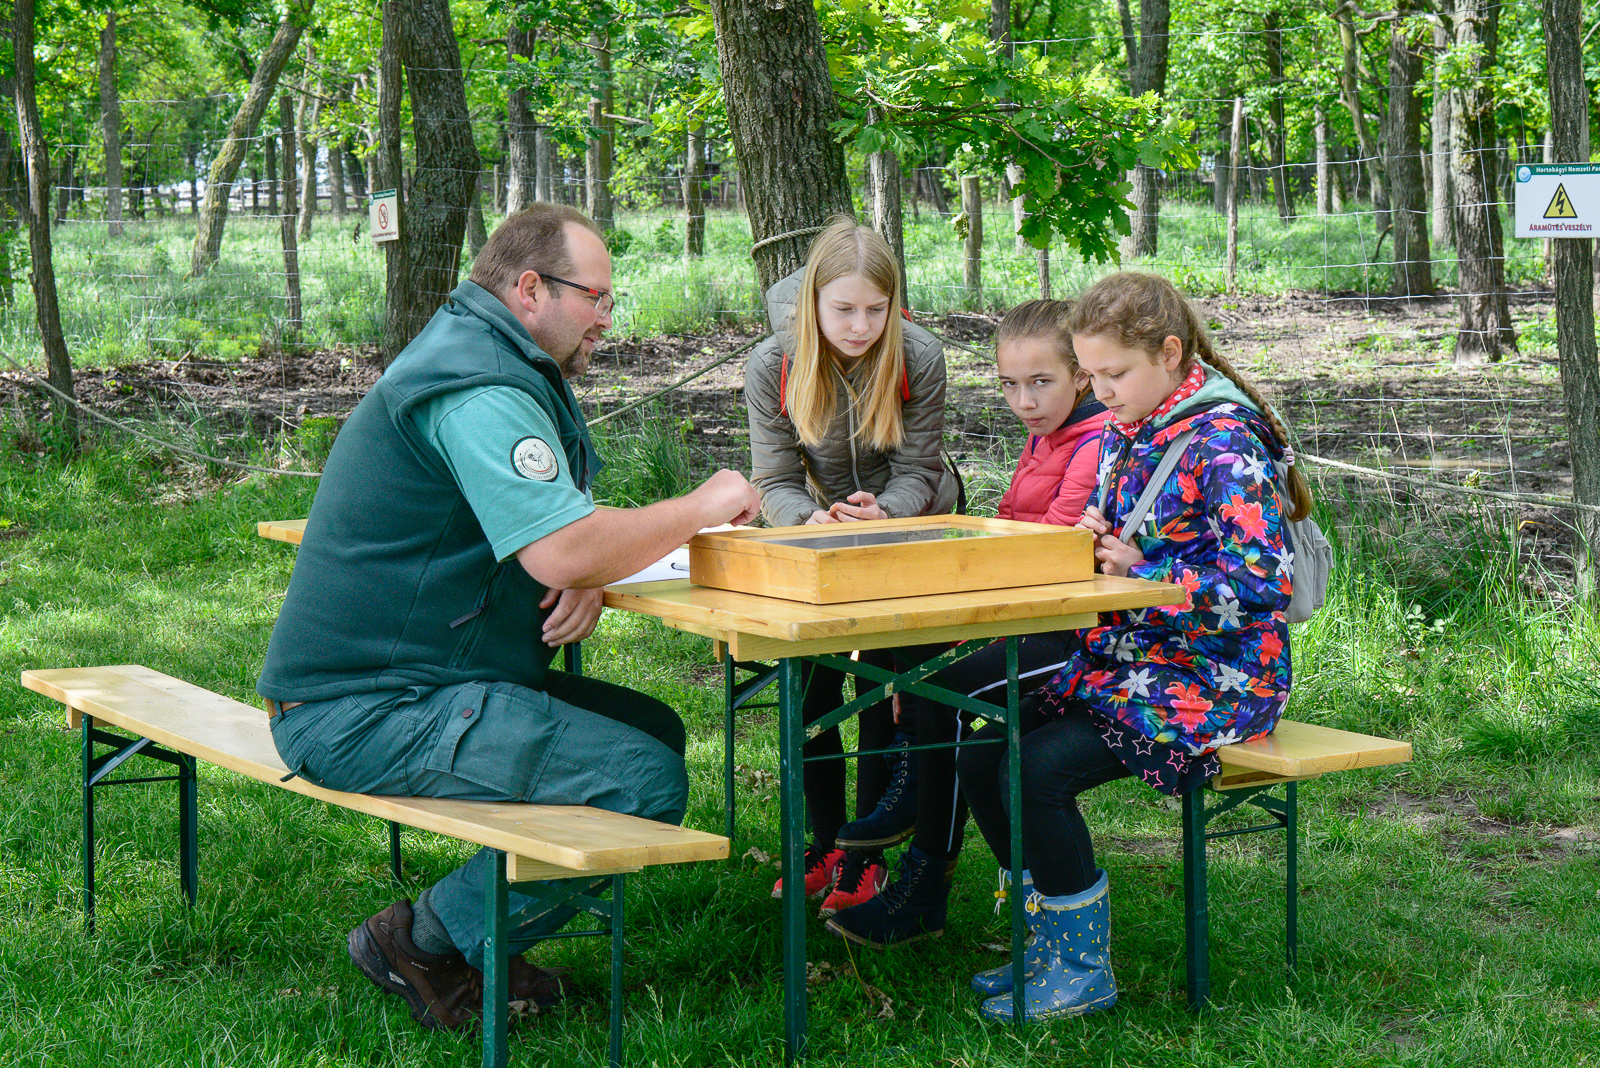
x=1116 y=555
x=863 y=505
x=1093 y=521
x=820 y=516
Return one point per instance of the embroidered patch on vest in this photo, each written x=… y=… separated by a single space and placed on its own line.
x=532 y=458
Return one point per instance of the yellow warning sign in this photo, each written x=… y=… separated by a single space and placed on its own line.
x=1560 y=205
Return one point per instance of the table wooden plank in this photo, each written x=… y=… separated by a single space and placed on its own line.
x=750 y=622
x=289 y=530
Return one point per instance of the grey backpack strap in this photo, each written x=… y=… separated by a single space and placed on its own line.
x=1141 y=507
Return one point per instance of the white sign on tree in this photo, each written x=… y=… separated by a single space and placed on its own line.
x=1558 y=200
x=383 y=216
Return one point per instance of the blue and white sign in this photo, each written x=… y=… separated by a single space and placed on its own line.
x=383 y=216
x=1558 y=200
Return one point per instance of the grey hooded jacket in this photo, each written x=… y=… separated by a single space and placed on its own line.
x=795 y=480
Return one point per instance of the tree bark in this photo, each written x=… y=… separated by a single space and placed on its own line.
x=291 y=251
x=694 y=200
x=883 y=170
x=1480 y=245
x=42 y=274
x=546 y=165
x=972 y=260
x=1236 y=154
x=1221 y=174
x=388 y=173
x=1324 y=167
x=111 y=123
x=225 y=168
x=477 y=232
x=600 y=145
x=1147 y=73
x=1278 y=136
x=1444 y=231
x=337 y=201
x=1350 y=95
x=310 y=116
x=447 y=169
x=269 y=148
x=1574 y=269
x=1408 y=202
x=522 y=168
x=780 y=103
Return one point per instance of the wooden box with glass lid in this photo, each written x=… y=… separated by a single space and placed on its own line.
x=835 y=563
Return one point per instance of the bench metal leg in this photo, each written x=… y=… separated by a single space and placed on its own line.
x=729 y=696
x=188 y=829
x=1292 y=879
x=394 y=853
x=88 y=824
x=1019 y=1007
x=1196 y=921
x=793 y=805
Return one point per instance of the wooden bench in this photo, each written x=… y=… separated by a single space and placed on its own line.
x=177 y=723
x=1251 y=772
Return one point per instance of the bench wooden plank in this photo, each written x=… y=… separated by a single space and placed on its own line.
x=292 y=531
x=558 y=839
x=1304 y=750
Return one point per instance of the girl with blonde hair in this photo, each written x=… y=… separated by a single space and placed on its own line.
x=846 y=406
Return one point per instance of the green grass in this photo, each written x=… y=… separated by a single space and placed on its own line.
x=1450 y=911
x=129 y=298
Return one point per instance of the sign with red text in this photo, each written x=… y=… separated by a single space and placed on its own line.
x=1558 y=200
x=383 y=216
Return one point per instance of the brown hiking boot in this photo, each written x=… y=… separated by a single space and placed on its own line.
x=443 y=990
x=538 y=988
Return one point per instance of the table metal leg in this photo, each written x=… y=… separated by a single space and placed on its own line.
x=792 y=789
x=88 y=824
x=1019 y=923
x=1292 y=880
x=618 y=943
x=1196 y=921
x=496 y=963
x=729 y=677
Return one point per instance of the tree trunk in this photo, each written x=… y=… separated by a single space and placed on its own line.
x=337 y=204
x=780 y=104
x=1221 y=174
x=111 y=124
x=1408 y=202
x=1236 y=155
x=521 y=161
x=1278 y=136
x=1350 y=94
x=600 y=108
x=357 y=177
x=389 y=173
x=546 y=185
x=477 y=232
x=291 y=251
x=1147 y=73
x=1580 y=374
x=225 y=168
x=1444 y=233
x=694 y=201
x=42 y=275
x=310 y=117
x=972 y=260
x=270 y=151
x=1324 y=169
x=1480 y=246
x=883 y=170
x=447 y=169
x=69 y=165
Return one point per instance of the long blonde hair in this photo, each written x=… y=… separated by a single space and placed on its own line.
x=845 y=248
x=1141 y=311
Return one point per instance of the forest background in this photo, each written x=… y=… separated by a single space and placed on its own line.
x=188 y=255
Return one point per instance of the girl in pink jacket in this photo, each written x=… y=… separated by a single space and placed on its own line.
x=1054 y=479
x=1044 y=387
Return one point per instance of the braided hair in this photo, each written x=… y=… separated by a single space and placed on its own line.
x=1141 y=311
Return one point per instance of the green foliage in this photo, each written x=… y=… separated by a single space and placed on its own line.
x=906 y=75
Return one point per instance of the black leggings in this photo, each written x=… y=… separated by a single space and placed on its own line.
x=1061 y=758
x=824 y=779
x=941 y=810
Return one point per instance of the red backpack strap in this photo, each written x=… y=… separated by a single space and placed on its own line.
x=783 y=386
x=905 y=376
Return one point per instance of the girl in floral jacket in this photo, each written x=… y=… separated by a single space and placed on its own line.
x=1150 y=693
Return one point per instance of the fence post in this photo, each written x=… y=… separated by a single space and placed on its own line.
x=972 y=265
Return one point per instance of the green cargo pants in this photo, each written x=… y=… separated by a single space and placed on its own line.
x=579 y=741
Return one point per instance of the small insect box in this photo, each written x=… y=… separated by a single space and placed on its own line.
x=874 y=559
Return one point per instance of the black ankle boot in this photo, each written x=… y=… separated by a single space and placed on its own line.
x=913 y=906
x=895 y=818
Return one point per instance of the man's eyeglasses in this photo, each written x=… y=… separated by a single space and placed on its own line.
x=603 y=302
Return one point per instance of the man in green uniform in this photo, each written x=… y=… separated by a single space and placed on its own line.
x=453 y=546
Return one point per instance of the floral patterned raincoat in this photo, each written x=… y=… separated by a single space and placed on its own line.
x=1214 y=669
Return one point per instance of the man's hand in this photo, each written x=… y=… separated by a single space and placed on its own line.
x=862 y=505
x=729 y=496
x=1116 y=555
x=576 y=613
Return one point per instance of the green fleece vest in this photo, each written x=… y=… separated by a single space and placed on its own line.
x=395 y=584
